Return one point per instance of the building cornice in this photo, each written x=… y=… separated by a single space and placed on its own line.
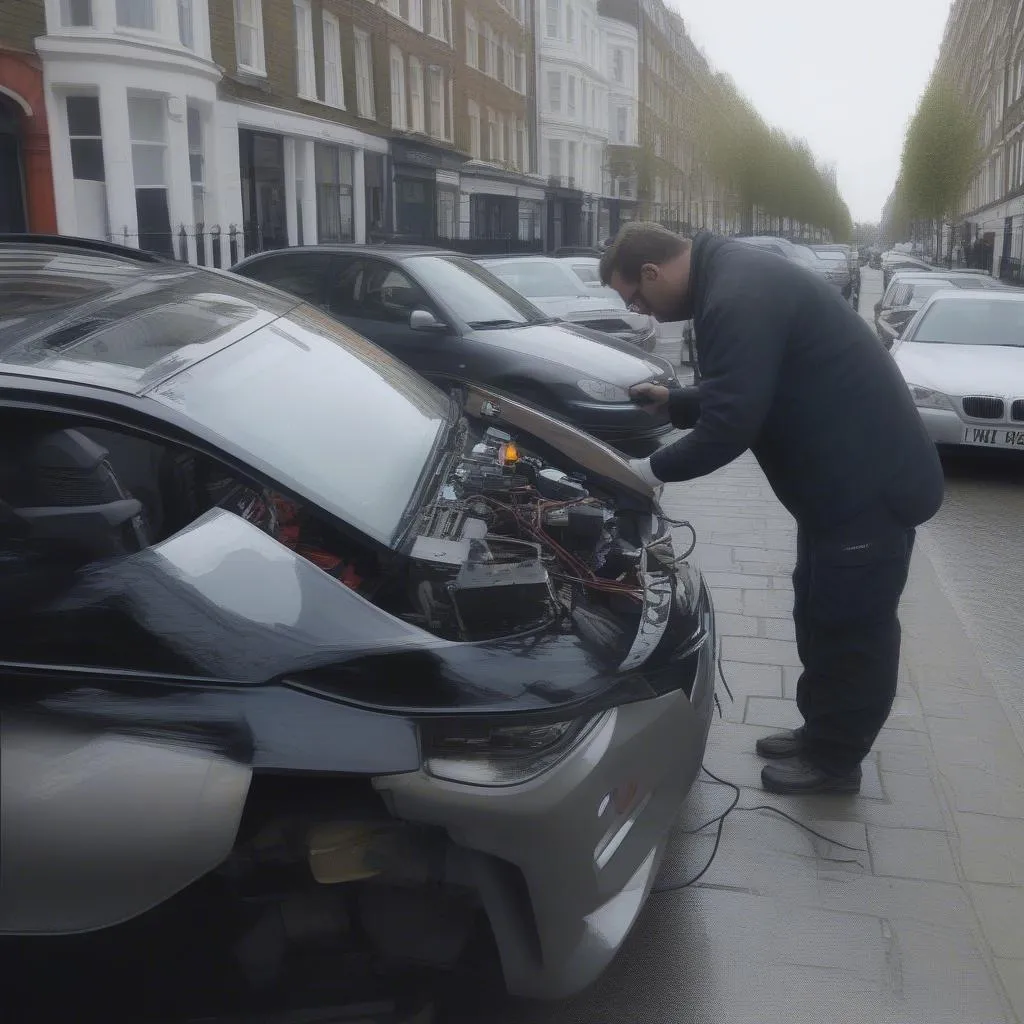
x=127 y=50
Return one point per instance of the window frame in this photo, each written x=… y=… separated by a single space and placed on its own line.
x=66 y=17
x=366 y=105
x=337 y=80
x=417 y=121
x=154 y=11
x=399 y=97
x=259 y=65
x=305 y=52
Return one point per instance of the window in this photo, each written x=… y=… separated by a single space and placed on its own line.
x=510 y=66
x=450 y=111
x=472 y=41
x=570 y=23
x=522 y=160
x=555 y=158
x=398 y=113
x=437 y=128
x=87 y=168
x=618 y=65
x=147 y=129
x=334 y=83
x=572 y=96
x=249 y=35
x=136 y=14
x=492 y=135
x=521 y=76
x=196 y=166
x=441 y=19
x=418 y=116
x=555 y=92
x=389 y=296
x=364 y=74
x=76 y=13
x=473 y=110
x=305 y=68
x=334 y=207
x=571 y=161
x=490 y=52
x=185 y=27
x=410 y=11
x=621 y=124
x=553 y=19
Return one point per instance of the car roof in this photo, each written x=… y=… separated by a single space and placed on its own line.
x=80 y=315
x=981 y=295
x=385 y=250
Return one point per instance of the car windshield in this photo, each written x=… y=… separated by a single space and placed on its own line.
x=324 y=413
x=975 y=321
x=538 y=279
x=474 y=294
x=831 y=255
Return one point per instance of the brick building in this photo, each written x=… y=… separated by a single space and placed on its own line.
x=26 y=177
x=501 y=196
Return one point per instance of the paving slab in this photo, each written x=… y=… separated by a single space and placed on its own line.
x=918 y=918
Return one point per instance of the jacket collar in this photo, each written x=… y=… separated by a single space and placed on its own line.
x=703 y=245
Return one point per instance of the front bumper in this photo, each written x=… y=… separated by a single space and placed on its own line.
x=564 y=862
x=947 y=429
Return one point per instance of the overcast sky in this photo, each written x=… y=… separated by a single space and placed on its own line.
x=844 y=75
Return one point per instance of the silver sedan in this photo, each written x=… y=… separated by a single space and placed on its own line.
x=962 y=357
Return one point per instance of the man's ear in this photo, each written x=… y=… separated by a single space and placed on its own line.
x=649 y=272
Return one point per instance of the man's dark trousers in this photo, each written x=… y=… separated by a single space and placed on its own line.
x=847 y=587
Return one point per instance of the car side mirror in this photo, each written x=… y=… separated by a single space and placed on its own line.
x=424 y=320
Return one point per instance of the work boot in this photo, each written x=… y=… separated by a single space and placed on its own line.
x=778 y=745
x=800 y=776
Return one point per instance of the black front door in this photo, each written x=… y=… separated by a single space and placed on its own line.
x=12 y=183
x=261 y=162
x=414 y=209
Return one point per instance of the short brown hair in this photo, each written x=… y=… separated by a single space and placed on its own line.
x=636 y=244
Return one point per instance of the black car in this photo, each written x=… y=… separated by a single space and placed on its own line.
x=452 y=320
x=307 y=667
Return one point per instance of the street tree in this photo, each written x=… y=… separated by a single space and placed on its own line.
x=941 y=152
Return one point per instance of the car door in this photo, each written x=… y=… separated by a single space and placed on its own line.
x=377 y=298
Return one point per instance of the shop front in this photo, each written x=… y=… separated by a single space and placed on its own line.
x=425 y=197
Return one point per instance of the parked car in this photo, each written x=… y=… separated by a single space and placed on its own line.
x=839 y=263
x=962 y=356
x=907 y=293
x=306 y=661
x=452 y=320
x=901 y=261
x=796 y=253
x=552 y=285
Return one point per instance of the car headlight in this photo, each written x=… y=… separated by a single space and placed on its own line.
x=926 y=398
x=489 y=755
x=602 y=391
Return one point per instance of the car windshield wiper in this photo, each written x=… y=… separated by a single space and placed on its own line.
x=499 y=322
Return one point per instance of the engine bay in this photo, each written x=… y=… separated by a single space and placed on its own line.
x=511 y=544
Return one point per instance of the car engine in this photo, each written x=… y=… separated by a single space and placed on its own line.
x=510 y=544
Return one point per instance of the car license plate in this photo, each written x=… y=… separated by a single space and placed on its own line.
x=994 y=437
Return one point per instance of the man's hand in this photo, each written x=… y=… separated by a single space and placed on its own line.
x=652 y=398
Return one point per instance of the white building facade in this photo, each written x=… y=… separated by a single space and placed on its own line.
x=146 y=152
x=573 y=116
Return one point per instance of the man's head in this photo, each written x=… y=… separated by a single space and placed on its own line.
x=649 y=266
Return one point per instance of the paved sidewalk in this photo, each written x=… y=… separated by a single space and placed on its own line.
x=923 y=921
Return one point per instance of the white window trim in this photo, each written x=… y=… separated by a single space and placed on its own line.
x=446 y=21
x=332 y=19
x=417 y=111
x=365 y=103
x=475 y=136
x=472 y=41
x=305 y=84
x=399 y=101
x=258 y=68
x=148 y=33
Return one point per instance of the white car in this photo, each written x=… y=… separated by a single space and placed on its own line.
x=962 y=357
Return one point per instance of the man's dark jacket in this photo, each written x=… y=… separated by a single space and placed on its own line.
x=791 y=372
